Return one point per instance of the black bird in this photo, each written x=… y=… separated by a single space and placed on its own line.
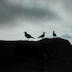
x=42 y=36
x=54 y=34
x=28 y=36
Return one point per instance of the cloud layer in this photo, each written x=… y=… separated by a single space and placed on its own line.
x=9 y=11
x=28 y=15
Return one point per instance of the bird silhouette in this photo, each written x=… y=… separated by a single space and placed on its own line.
x=42 y=36
x=28 y=36
x=54 y=34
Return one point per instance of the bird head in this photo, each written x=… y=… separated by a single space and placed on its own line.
x=53 y=30
x=43 y=32
x=25 y=32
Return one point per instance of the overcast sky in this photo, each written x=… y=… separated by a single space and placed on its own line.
x=35 y=17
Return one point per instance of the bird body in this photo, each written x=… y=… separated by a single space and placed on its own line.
x=27 y=35
x=42 y=36
x=54 y=34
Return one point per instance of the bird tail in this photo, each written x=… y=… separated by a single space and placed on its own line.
x=38 y=37
x=33 y=37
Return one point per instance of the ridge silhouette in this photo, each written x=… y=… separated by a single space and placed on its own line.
x=40 y=54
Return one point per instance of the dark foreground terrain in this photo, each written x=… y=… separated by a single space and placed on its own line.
x=46 y=55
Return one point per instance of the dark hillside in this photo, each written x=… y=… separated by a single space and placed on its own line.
x=40 y=53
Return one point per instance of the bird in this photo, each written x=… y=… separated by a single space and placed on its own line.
x=28 y=36
x=42 y=36
x=54 y=34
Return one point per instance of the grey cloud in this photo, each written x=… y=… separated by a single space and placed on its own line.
x=8 y=13
x=67 y=4
x=38 y=13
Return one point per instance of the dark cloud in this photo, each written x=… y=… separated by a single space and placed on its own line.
x=8 y=13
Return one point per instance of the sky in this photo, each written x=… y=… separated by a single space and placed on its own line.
x=35 y=17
